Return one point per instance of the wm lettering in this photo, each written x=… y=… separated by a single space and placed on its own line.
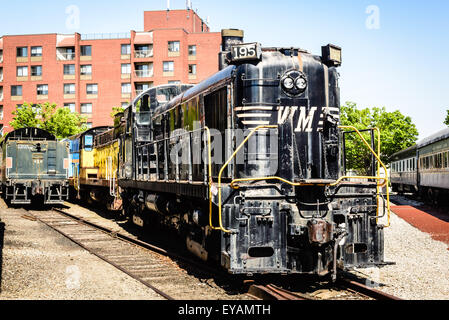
x=305 y=120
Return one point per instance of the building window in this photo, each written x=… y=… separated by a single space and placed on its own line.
x=36 y=51
x=92 y=89
x=86 y=51
x=42 y=89
x=86 y=108
x=1 y=112
x=22 y=52
x=173 y=46
x=126 y=88
x=174 y=82
x=36 y=71
x=16 y=91
x=169 y=66
x=89 y=125
x=70 y=106
x=192 y=69
x=86 y=70
x=69 y=69
x=126 y=49
x=125 y=105
x=126 y=68
x=69 y=88
x=192 y=50
x=22 y=71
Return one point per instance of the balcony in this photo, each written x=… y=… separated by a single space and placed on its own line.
x=65 y=54
x=142 y=54
x=144 y=73
x=142 y=87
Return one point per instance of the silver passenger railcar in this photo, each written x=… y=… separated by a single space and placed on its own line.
x=424 y=168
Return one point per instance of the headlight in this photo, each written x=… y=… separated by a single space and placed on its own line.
x=301 y=83
x=288 y=83
x=294 y=83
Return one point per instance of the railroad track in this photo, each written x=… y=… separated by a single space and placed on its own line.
x=154 y=267
x=163 y=271
x=348 y=288
x=365 y=290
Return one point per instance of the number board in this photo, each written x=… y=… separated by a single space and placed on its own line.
x=246 y=51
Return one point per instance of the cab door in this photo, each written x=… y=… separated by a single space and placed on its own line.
x=125 y=165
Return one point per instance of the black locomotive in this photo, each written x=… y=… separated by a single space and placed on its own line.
x=247 y=165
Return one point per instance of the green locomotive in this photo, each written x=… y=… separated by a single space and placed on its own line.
x=34 y=165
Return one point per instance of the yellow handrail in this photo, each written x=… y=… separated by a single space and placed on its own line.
x=226 y=165
x=339 y=181
x=210 y=178
x=379 y=163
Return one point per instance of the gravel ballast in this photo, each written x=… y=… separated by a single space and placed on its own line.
x=41 y=264
x=421 y=271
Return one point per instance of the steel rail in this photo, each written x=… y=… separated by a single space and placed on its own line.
x=139 y=243
x=273 y=292
x=108 y=232
x=365 y=290
x=258 y=291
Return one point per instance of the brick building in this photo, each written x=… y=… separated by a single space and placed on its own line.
x=92 y=73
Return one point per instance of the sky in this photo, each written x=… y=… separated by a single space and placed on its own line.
x=394 y=51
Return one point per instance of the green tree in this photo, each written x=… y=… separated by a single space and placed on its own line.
x=446 y=121
x=25 y=116
x=61 y=121
x=58 y=121
x=116 y=110
x=397 y=133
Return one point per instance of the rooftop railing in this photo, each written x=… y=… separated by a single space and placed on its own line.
x=106 y=36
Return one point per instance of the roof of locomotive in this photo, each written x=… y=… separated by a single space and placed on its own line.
x=149 y=90
x=29 y=134
x=226 y=74
x=214 y=80
x=95 y=131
